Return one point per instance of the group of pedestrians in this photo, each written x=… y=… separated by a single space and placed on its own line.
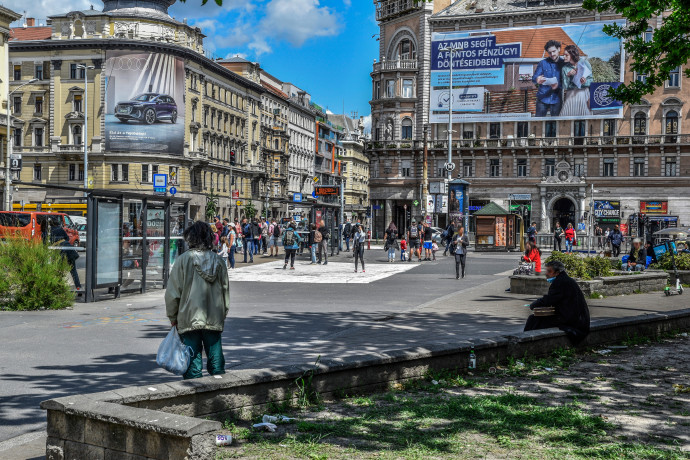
x=249 y=236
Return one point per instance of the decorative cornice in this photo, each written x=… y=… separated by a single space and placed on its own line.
x=501 y=16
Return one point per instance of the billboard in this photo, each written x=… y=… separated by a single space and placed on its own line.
x=526 y=73
x=144 y=104
x=654 y=207
x=456 y=195
x=607 y=211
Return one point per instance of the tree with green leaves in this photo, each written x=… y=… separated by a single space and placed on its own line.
x=653 y=52
x=211 y=206
x=249 y=210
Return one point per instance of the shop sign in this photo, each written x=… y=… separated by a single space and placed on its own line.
x=607 y=209
x=521 y=196
x=654 y=207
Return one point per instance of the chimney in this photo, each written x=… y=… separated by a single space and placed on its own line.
x=30 y=22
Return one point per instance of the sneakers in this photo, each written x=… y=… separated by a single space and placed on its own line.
x=364 y=271
x=285 y=267
x=355 y=270
x=292 y=268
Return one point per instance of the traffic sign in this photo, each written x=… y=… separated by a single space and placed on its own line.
x=173 y=190
x=238 y=203
x=449 y=167
x=291 y=208
x=316 y=179
x=235 y=194
x=297 y=197
x=15 y=162
x=415 y=202
x=160 y=180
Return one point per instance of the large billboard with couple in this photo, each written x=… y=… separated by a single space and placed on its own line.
x=531 y=73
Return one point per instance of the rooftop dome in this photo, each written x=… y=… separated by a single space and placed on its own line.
x=139 y=7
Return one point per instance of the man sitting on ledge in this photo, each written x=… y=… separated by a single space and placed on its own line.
x=570 y=312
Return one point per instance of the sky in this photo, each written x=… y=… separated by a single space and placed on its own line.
x=323 y=46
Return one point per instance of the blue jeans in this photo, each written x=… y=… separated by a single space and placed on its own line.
x=313 y=253
x=347 y=243
x=249 y=249
x=543 y=108
x=257 y=245
x=448 y=244
x=391 y=253
x=231 y=256
x=568 y=245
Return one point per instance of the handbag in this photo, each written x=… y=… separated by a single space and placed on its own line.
x=173 y=355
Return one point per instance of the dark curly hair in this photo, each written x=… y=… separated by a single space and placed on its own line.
x=198 y=236
x=573 y=52
x=551 y=43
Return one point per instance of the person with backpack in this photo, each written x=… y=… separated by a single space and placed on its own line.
x=359 y=240
x=248 y=241
x=347 y=234
x=391 y=237
x=291 y=242
x=274 y=237
x=616 y=239
x=256 y=233
x=413 y=235
x=448 y=234
x=321 y=239
x=532 y=232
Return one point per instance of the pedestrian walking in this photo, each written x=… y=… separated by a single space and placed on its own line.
x=248 y=241
x=347 y=234
x=359 y=240
x=321 y=238
x=59 y=237
x=569 y=238
x=264 y=236
x=224 y=249
x=532 y=232
x=448 y=235
x=273 y=238
x=291 y=242
x=232 y=243
x=616 y=239
x=414 y=235
x=197 y=300
x=256 y=233
x=428 y=241
x=598 y=231
x=391 y=237
x=532 y=255
x=558 y=235
x=403 y=249
x=434 y=250
x=311 y=242
x=460 y=242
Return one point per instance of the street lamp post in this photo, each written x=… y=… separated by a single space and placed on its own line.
x=86 y=68
x=8 y=179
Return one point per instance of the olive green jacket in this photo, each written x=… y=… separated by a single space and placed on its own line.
x=198 y=293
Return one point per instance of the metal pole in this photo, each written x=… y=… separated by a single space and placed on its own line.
x=425 y=164
x=450 y=120
x=86 y=131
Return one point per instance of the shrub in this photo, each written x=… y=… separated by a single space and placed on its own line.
x=34 y=276
x=583 y=268
x=665 y=263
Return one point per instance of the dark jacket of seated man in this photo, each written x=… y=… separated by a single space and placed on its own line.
x=571 y=311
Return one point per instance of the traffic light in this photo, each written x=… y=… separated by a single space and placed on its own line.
x=232 y=158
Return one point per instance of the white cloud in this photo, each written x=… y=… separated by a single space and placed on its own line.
x=367 y=124
x=296 y=21
x=41 y=9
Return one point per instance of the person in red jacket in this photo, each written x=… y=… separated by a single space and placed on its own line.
x=533 y=255
x=569 y=238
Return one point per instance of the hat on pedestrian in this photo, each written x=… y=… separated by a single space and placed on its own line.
x=637 y=240
x=414 y=221
x=231 y=225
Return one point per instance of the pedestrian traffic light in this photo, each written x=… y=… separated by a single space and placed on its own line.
x=232 y=158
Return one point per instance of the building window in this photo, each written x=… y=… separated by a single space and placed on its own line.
x=17 y=72
x=38 y=137
x=674 y=78
x=550 y=167
x=441 y=168
x=522 y=167
x=406 y=50
x=494 y=167
x=640 y=124
x=407 y=90
x=407 y=129
x=114 y=173
x=648 y=35
x=38 y=104
x=75 y=73
x=467 y=168
x=608 y=167
x=406 y=168
x=377 y=90
x=72 y=174
x=390 y=88
x=76 y=135
x=579 y=169
x=671 y=122
x=494 y=130
x=17 y=137
x=522 y=129
x=76 y=102
x=17 y=103
x=638 y=167
x=641 y=77
x=609 y=127
x=38 y=72
x=671 y=167
x=145 y=177
x=80 y=177
x=550 y=128
x=37 y=172
x=125 y=173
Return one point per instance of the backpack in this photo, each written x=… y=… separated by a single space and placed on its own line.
x=289 y=239
x=276 y=230
x=318 y=237
x=414 y=232
x=348 y=229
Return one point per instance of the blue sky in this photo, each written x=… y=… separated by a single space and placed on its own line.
x=323 y=46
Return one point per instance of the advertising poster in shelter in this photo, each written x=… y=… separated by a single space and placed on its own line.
x=548 y=72
x=456 y=205
x=144 y=102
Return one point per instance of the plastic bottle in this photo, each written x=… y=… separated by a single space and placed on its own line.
x=473 y=359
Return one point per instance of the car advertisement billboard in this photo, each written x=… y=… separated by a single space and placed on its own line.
x=144 y=106
x=526 y=73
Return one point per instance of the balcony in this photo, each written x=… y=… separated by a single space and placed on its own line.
x=527 y=142
x=402 y=64
x=388 y=9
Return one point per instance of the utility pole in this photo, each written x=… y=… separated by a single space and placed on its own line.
x=86 y=69
x=450 y=119
x=425 y=166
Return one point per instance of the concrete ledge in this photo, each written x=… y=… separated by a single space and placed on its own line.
x=165 y=421
x=629 y=283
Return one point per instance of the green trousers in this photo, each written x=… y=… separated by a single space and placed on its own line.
x=210 y=342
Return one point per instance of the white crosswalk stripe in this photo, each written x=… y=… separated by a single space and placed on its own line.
x=333 y=273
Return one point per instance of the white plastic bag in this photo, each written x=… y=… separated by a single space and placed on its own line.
x=173 y=355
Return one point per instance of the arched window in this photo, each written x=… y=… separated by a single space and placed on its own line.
x=76 y=135
x=406 y=49
x=671 y=122
x=407 y=129
x=640 y=124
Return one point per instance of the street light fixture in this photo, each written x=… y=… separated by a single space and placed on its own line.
x=8 y=179
x=86 y=125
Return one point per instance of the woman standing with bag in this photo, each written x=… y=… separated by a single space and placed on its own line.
x=391 y=237
x=197 y=300
x=569 y=238
x=360 y=238
x=461 y=243
x=232 y=242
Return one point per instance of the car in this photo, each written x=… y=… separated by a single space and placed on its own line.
x=147 y=108
x=34 y=225
x=81 y=228
x=437 y=235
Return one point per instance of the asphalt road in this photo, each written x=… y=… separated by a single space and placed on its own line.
x=113 y=344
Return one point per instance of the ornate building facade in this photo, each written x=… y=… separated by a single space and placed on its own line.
x=639 y=161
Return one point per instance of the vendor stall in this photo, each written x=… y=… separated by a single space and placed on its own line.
x=495 y=229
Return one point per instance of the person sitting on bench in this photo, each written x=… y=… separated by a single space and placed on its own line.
x=570 y=311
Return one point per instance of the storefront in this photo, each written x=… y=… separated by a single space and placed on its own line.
x=495 y=229
x=475 y=205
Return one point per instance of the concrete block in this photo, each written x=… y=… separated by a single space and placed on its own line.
x=65 y=426
x=109 y=435
x=81 y=451
x=55 y=449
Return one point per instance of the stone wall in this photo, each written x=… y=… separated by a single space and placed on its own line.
x=165 y=421
x=648 y=281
